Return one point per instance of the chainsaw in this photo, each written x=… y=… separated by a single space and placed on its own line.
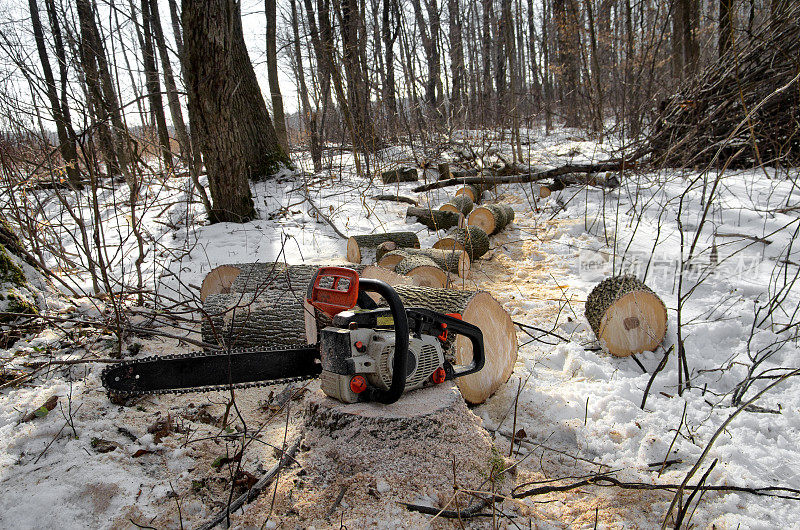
x=364 y=355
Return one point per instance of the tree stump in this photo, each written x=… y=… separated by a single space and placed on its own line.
x=492 y=218
x=403 y=174
x=626 y=316
x=459 y=203
x=473 y=240
x=435 y=219
x=362 y=247
x=455 y=261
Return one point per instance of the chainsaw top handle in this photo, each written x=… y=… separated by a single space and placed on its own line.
x=400 y=341
x=337 y=289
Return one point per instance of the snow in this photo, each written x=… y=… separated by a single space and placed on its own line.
x=578 y=407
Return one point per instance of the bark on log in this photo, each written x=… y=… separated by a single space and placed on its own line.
x=395 y=198
x=458 y=204
x=472 y=240
x=263 y=304
x=456 y=261
x=470 y=191
x=435 y=219
x=424 y=271
x=362 y=247
x=492 y=218
x=626 y=315
x=615 y=165
x=403 y=174
x=260 y=277
x=499 y=335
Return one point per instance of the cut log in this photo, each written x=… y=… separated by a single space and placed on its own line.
x=459 y=204
x=456 y=261
x=435 y=219
x=470 y=191
x=492 y=218
x=270 y=276
x=626 y=316
x=473 y=240
x=499 y=335
x=402 y=174
x=264 y=304
x=382 y=249
x=362 y=248
x=423 y=270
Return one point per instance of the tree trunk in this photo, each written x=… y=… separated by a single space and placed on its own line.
x=309 y=116
x=176 y=27
x=115 y=140
x=725 y=25
x=66 y=141
x=272 y=75
x=226 y=110
x=456 y=59
x=153 y=85
x=566 y=17
x=390 y=29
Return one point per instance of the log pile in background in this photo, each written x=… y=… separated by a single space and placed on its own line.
x=492 y=218
x=744 y=109
x=435 y=219
x=459 y=204
x=455 y=261
x=473 y=240
x=401 y=174
x=363 y=247
x=626 y=315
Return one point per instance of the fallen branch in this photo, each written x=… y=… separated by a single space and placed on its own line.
x=253 y=492
x=603 y=480
x=472 y=511
x=395 y=198
x=615 y=165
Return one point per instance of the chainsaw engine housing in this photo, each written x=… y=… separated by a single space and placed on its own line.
x=368 y=352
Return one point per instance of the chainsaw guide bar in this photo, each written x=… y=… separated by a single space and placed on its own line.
x=207 y=371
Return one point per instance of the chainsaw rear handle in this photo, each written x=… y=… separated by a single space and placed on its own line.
x=475 y=336
x=427 y=321
x=400 y=319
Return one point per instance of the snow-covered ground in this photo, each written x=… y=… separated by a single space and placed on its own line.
x=579 y=408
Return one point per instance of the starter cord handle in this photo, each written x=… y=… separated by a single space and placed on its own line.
x=400 y=341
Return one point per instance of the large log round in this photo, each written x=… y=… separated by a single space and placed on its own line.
x=492 y=218
x=455 y=261
x=626 y=315
x=499 y=335
x=263 y=304
x=435 y=219
x=473 y=240
x=459 y=204
x=423 y=270
x=473 y=192
x=362 y=247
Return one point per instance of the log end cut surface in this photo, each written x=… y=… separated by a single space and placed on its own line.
x=219 y=281
x=353 y=251
x=482 y=218
x=635 y=323
x=499 y=343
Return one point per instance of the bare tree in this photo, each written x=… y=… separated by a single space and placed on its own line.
x=66 y=138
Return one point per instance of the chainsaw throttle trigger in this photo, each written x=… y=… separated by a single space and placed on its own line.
x=335 y=289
